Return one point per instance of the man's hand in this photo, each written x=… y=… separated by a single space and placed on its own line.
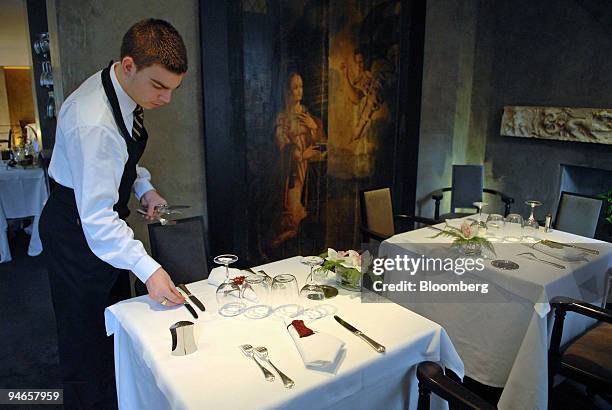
x=162 y=289
x=150 y=200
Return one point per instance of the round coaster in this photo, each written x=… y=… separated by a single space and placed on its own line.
x=505 y=264
x=329 y=291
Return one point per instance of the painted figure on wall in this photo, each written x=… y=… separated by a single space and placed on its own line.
x=297 y=133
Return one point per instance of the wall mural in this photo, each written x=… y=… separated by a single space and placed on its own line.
x=558 y=123
x=320 y=89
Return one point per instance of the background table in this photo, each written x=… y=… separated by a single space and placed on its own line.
x=503 y=338
x=23 y=193
x=219 y=376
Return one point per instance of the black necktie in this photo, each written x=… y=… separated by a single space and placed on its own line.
x=139 y=132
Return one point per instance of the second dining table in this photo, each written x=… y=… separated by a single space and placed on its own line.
x=219 y=376
x=23 y=193
x=503 y=335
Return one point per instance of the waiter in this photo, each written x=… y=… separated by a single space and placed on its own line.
x=88 y=246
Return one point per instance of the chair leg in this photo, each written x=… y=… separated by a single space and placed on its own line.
x=423 y=403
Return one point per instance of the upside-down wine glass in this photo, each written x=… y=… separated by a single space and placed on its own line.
x=312 y=289
x=531 y=225
x=480 y=224
x=229 y=301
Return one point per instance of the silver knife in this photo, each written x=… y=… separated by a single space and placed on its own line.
x=554 y=244
x=194 y=299
x=190 y=308
x=375 y=345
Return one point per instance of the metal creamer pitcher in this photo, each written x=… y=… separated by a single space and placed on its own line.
x=183 y=341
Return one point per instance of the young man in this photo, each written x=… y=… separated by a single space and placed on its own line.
x=87 y=244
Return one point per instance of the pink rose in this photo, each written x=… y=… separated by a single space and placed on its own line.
x=466 y=230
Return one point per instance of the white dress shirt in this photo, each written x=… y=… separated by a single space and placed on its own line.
x=89 y=156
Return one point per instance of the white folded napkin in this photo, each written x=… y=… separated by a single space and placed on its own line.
x=319 y=350
x=217 y=275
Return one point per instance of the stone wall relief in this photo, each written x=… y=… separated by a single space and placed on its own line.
x=558 y=123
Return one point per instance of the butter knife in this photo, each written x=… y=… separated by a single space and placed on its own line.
x=190 y=308
x=552 y=244
x=193 y=298
x=375 y=345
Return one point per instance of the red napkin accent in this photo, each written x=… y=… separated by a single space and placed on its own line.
x=301 y=328
x=239 y=280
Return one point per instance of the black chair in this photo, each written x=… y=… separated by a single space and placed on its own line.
x=588 y=358
x=578 y=214
x=181 y=249
x=467 y=188
x=377 y=219
x=432 y=379
x=44 y=159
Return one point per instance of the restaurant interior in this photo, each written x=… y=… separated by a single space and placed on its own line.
x=317 y=156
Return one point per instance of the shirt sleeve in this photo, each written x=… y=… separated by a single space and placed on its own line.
x=96 y=163
x=142 y=184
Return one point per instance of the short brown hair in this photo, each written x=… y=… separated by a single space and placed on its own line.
x=154 y=41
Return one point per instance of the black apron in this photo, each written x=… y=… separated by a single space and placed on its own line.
x=82 y=285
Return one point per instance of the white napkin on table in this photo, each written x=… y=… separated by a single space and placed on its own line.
x=319 y=350
x=217 y=275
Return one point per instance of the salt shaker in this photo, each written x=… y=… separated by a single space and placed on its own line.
x=547 y=223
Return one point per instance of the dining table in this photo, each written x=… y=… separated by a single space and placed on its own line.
x=23 y=193
x=219 y=376
x=503 y=334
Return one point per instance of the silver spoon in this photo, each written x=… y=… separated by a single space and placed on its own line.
x=248 y=352
x=262 y=353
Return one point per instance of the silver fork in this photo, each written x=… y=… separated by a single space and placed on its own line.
x=248 y=352
x=262 y=353
x=530 y=255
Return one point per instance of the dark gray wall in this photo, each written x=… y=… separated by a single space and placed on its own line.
x=545 y=53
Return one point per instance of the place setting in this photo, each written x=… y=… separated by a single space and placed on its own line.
x=277 y=300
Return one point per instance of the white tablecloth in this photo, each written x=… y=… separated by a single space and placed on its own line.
x=503 y=336
x=218 y=376
x=23 y=193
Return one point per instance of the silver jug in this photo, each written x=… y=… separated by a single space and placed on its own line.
x=183 y=341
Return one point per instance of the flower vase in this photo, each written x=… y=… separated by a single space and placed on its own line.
x=349 y=279
x=470 y=249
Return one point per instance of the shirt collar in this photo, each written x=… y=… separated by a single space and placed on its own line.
x=126 y=103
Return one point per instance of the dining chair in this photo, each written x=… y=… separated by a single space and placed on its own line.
x=44 y=160
x=378 y=221
x=588 y=358
x=467 y=188
x=578 y=214
x=432 y=379
x=181 y=249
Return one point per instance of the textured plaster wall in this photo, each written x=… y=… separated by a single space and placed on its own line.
x=546 y=53
x=447 y=94
x=89 y=35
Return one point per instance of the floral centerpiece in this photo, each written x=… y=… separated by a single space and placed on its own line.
x=349 y=267
x=466 y=238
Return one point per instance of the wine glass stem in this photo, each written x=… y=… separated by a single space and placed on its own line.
x=226 y=272
x=532 y=216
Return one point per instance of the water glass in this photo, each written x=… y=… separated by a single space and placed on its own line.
x=513 y=229
x=256 y=296
x=495 y=227
x=285 y=296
